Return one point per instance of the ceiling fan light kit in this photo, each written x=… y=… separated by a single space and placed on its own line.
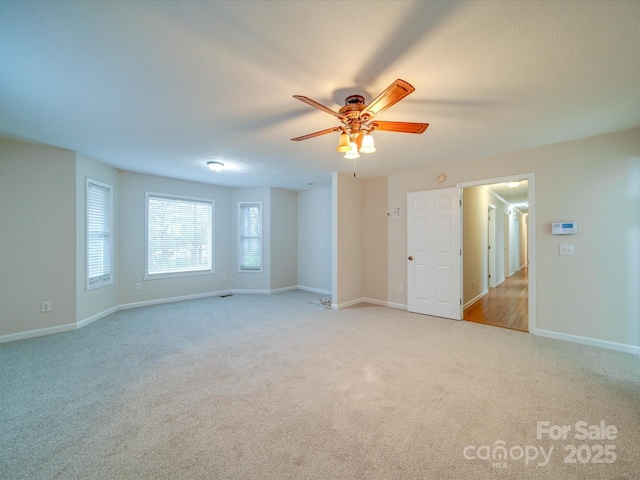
x=357 y=120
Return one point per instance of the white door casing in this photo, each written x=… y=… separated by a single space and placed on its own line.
x=492 y=246
x=433 y=253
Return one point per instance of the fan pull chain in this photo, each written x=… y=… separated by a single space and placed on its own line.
x=354 y=168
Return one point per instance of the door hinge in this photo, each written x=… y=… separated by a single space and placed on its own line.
x=489 y=275
x=460 y=302
x=489 y=247
x=460 y=252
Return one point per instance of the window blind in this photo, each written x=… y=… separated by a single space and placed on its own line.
x=98 y=225
x=250 y=247
x=179 y=236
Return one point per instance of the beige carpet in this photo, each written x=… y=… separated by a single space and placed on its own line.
x=277 y=386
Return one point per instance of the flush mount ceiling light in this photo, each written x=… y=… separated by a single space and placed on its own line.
x=215 y=166
x=512 y=184
x=357 y=122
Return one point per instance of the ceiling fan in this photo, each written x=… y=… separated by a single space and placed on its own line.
x=357 y=122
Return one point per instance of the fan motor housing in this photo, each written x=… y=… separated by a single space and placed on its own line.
x=353 y=105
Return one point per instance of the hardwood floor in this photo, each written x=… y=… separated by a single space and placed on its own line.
x=505 y=306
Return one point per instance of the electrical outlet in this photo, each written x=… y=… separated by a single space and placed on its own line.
x=46 y=306
x=401 y=288
x=138 y=287
x=224 y=277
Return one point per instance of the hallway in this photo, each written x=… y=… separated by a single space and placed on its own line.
x=505 y=306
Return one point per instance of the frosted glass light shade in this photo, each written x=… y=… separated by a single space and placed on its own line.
x=353 y=153
x=343 y=143
x=367 y=144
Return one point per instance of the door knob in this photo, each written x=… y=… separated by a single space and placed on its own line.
x=410 y=258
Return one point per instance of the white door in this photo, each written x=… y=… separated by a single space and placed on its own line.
x=433 y=253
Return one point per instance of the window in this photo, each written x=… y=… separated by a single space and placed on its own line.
x=179 y=235
x=99 y=206
x=250 y=232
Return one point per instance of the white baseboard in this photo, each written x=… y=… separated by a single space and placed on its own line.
x=12 y=337
x=284 y=289
x=621 y=347
x=181 y=298
x=474 y=300
x=314 y=290
x=125 y=306
x=383 y=303
x=350 y=303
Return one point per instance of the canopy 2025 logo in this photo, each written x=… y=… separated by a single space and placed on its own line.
x=499 y=453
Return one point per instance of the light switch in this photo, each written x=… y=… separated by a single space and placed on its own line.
x=567 y=250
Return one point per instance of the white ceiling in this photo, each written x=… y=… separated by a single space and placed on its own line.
x=162 y=87
x=517 y=196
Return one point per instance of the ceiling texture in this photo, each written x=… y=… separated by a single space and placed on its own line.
x=163 y=87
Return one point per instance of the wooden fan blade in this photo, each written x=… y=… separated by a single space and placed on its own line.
x=402 y=127
x=392 y=95
x=319 y=106
x=317 y=134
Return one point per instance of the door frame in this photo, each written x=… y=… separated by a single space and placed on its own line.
x=531 y=245
x=491 y=241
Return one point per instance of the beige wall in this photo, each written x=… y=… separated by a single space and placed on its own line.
x=375 y=218
x=348 y=239
x=593 y=181
x=37 y=237
x=475 y=241
x=314 y=239
x=284 y=239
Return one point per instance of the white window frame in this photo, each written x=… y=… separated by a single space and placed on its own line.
x=106 y=278
x=241 y=267
x=187 y=273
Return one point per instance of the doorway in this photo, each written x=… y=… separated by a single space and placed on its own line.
x=497 y=272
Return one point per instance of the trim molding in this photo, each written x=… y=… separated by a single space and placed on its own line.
x=398 y=306
x=474 y=300
x=125 y=306
x=373 y=301
x=283 y=289
x=12 y=337
x=182 y=298
x=97 y=316
x=621 y=347
x=314 y=290
x=350 y=303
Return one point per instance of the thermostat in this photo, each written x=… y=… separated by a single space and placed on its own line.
x=564 y=228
